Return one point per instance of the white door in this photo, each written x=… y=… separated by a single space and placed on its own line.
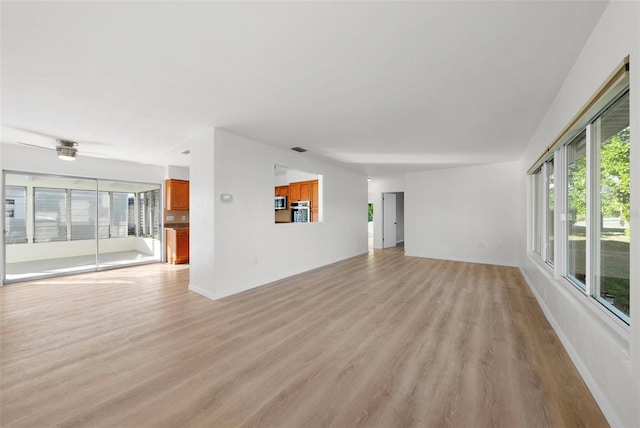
x=389 y=220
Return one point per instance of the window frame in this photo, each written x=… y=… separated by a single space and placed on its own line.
x=615 y=87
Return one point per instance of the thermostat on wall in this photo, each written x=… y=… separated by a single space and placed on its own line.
x=226 y=197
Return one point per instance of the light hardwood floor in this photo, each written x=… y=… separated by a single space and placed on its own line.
x=380 y=340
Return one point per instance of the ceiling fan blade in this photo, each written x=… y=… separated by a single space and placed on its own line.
x=35 y=146
x=93 y=154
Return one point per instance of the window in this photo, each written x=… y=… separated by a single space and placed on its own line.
x=83 y=214
x=611 y=231
x=580 y=205
x=543 y=211
x=84 y=208
x=104 y=215
x=538 y=198
x=50 y=215
x=65 y=213
x=120 y=218
x=576 y=260
x=550 y=212
x=15 y=214
x=149 y=214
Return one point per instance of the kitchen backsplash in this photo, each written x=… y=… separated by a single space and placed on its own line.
x=176 y=216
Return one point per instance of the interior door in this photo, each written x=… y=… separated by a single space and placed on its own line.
x=389 y=220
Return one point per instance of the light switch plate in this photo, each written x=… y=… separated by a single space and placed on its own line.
x=170 y=218
x=226 y=197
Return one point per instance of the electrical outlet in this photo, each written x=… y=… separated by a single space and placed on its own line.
x=170 y=218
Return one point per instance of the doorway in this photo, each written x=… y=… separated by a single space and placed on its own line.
x=392 y=219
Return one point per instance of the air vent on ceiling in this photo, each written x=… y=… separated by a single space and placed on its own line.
x=298 y=149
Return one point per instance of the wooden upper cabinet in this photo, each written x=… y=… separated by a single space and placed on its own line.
x=281 y=191
x=294 y=192
x=305 y=191
x=177 y=194
x=315 y=202
x=314 y=194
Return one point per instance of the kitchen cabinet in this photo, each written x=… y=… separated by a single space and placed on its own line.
x=301 y=190
x=281 y=191
x=177 y=241
x=315 y=205
x=176 y=194
x=305 y=191
x=294 y=192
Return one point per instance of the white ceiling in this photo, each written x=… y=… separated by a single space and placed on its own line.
x=383 y=87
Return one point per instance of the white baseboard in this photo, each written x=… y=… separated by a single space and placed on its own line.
x=263 y=282
x=464 y=260
x=202 y=292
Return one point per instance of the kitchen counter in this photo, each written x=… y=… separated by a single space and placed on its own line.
x=176 y=226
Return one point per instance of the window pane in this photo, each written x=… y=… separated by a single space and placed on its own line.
x=119 y=215
x=550 y=211
x=50 y=215
x=149 y=214
x=614 y=145
x=104 y=205
x=538 y=180
x=83 y=214
x=577 y=209
x=15 y=214
x=131 y=213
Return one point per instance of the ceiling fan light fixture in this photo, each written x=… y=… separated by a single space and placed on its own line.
x=66 y=150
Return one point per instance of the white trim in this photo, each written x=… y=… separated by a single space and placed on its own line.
x=214 y=295
x=202 y=291
x=465 y=260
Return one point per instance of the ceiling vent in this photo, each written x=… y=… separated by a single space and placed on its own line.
x=298 y=149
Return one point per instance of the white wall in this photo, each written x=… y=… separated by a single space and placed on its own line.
x=293 y=176
x=177 y=172
x=25 y=159
x=249 y=249
x=201 y=213
x=465 y=214
x=44 y=250
x=606 y=353
x=377 y=186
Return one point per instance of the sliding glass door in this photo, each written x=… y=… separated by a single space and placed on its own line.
x=131 y=223
x=59 y=225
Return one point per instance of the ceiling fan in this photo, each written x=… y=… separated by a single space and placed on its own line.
x=65 y=149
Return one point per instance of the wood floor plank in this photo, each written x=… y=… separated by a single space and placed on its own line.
x=379 y=340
